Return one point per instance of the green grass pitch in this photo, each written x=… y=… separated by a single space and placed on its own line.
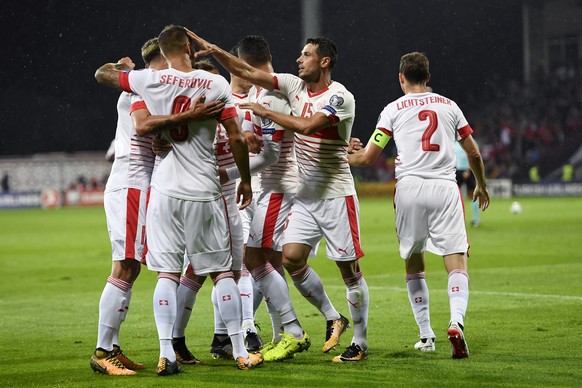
x=523 y=326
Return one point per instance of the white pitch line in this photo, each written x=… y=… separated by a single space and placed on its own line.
x=508 y=294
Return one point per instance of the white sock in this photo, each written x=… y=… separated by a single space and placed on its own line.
x=277 y=297
x=458 y=295
x=127 y=296
x=165 y=313
x=309 y=284
x=229 y=305
x=219 y=326
x=111 y=310
x=419 y=301
x=358 y=301
x=186 y=297
x=245 y=287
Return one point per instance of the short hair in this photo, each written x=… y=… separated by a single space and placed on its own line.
x=150 y=51
x=254 y=50
x=415 y=67
x=324 y=48
x=206 y=65
x=172 y=38
x=234 y=50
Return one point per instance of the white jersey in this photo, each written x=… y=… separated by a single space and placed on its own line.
x=134 y=158
x=425 y=127
x=280 y=177
x=246 y=122
x=189 y=171
x=322 y=157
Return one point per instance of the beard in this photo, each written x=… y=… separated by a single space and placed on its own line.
x=311 y=78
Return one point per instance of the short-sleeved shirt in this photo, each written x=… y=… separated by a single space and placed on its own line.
x=134 y=158
x=322 y=157
x=425 y=127
x=280 y=177
x=188 y=172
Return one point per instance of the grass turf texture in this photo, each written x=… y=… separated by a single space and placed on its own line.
x=523 y=324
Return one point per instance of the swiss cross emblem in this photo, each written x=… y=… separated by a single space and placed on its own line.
x=418 y=299
x=455 y=289
x=164 y=302
x=226 y=298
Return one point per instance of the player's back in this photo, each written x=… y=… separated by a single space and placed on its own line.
x=425 y=127
x=189 y=170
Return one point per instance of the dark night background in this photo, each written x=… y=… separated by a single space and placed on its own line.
x=50 y=101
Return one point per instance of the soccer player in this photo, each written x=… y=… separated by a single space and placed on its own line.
x=428 y=207
x=186 y=212
x=464 y=176
x=278 y=179
x=326 y=200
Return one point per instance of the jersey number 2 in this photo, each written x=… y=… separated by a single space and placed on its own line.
x=433 y=123
x=181 y=104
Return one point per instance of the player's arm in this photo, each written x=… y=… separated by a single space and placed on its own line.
x=476 y=163
x=108 y=74
x=240 y=152
x=368 y=155
x=146 y=123
x=303 y=125
x=269 y=156
x=233 y=64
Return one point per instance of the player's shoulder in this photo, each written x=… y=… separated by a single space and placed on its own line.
x=288 y=79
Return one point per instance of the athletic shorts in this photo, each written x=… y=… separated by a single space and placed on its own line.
x=177 y=226
x=247 y=214
x=268 y=223
x=336 y=219
x=429 y=217
x=125 y=211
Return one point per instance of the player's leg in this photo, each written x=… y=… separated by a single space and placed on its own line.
x=458 y=290
x=358 y=298
x=190 y=284
x=127 y=241
x=418 y=295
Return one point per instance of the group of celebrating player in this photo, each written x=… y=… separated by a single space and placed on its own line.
x=298 y=130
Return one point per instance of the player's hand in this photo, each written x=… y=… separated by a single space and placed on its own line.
x=483 y=196
x=126 y=63
x=201 y=111
x=222 y=175
x=258 y=110
x=204 y=47
x=244 y=194
x=254 y=143
x=354 y=145
x=160 y=146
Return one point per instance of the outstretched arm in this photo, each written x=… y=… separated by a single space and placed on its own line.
x=303 y=125
x=108 y=74
x=233 y=64
x=476 y=163
x=369 y=154
x=146 y=123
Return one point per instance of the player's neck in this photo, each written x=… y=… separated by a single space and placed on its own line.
x=416 y=88
x=322 y=84
x=180 y=63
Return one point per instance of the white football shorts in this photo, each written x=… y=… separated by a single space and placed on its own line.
x=429 y=217
x=247 y=214
x=125 y=212
x=177 y=226
x=336 y=219
x=268 y=223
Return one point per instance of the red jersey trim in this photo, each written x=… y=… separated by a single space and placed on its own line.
x=317 y=93
x=241 y=96
x=465 y=131
x=131 y=221
x=279 y=135
x=333 y=119
x=353 y=220
x=275 y=83
x=137 y=106
x=386 y=131
x=124 y=82
x=228 y=113
x=275 y=201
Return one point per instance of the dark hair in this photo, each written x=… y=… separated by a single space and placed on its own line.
x=172 y=38
x=324 y=48
x=205 y=64
x=415 y=67
x=150 y=51
x=254 y=50
x=234 y=50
